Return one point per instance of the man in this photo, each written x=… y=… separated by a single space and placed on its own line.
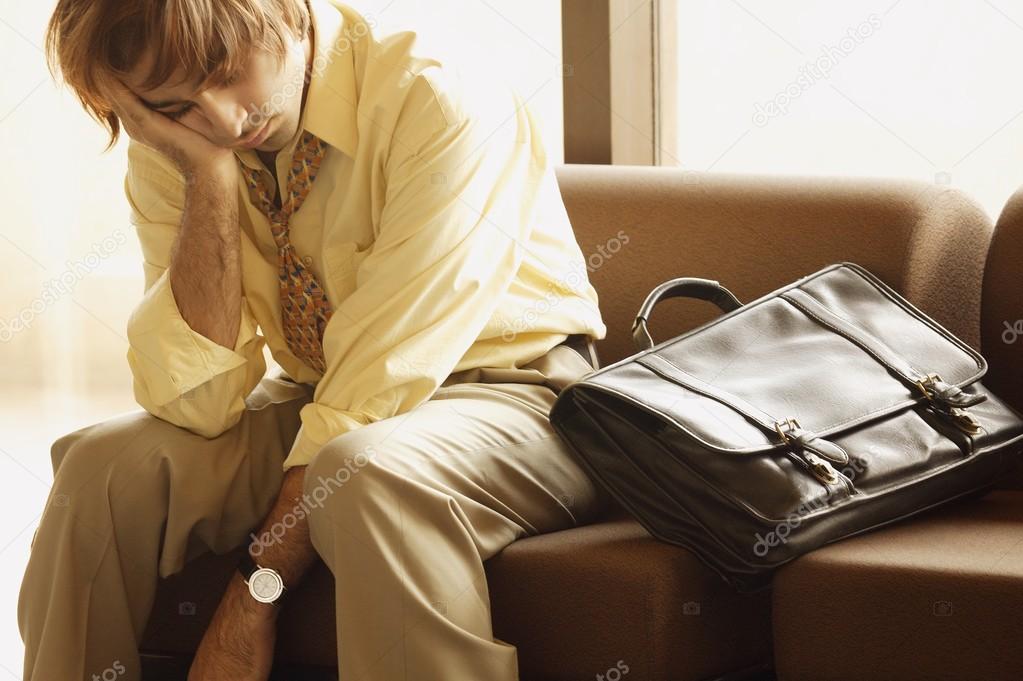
x=394 y=232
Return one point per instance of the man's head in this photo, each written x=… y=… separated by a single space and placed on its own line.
x=224 y=68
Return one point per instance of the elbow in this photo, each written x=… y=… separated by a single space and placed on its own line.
x=189 y=393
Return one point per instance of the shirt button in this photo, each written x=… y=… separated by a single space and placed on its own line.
x=307 y=261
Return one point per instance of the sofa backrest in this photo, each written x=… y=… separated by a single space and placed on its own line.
x=640 y=226
x=1002 y=311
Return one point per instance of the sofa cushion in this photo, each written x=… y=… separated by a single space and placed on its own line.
x=936 y=597
x=582 y=602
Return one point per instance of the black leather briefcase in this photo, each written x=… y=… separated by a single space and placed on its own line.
x=826 y=408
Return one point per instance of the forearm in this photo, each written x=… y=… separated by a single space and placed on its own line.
x=205 y=266
x=244 y=629
x=285 y=546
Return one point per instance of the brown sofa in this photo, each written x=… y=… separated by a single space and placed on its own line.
x=585 y=601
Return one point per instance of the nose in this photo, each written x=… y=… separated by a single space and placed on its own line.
x=226 y=115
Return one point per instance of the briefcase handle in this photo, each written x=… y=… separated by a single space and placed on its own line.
x=684 y=287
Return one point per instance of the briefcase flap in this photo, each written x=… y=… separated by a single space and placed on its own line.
x=832 y=350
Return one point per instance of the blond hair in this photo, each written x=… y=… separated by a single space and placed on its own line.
x=210 y=40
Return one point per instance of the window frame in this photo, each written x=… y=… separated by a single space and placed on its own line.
x=620 y=81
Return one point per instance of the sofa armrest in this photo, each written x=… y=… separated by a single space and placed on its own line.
x=1002 y=313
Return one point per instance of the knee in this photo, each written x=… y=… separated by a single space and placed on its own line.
x=82 y=440
x=95 y=452
x=361 y=496
x=59 y=449
x=339 y=463
x=374 y=476
x=76 y=452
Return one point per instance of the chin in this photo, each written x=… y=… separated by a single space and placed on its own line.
x=276 y=140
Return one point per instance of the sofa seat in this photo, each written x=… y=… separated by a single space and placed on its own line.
x=938 y=597
x=584 y=601
x=576 y=603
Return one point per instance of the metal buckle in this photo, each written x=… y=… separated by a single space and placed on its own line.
x=928 y=380
x=791 y=423
x=965 y=421
x=820 y=468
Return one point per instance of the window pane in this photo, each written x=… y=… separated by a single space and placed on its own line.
x=910 y=88
x=515 y=42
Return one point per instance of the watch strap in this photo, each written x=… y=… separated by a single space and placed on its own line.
x=246 y=565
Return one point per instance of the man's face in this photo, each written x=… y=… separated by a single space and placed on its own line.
x=259 y=108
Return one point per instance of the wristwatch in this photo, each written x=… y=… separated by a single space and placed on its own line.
x=265 y=584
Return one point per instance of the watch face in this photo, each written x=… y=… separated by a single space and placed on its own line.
x=265 y=585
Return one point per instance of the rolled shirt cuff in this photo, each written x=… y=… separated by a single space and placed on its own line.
x=320 y=424
x=168 y=358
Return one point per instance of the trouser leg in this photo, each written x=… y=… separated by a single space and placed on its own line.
x=416 y=503
x=133 y=499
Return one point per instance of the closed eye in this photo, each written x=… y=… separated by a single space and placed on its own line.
x=175 y=115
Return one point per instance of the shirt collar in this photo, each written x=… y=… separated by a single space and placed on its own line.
x=330 y=110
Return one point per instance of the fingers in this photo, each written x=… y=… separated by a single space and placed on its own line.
x=125 y=104
x=113 y=90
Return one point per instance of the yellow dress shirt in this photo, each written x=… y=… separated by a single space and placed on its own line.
x=435 y=226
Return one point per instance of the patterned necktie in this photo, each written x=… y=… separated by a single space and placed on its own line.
x=305 y=309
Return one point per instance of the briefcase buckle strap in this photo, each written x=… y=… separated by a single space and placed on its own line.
x=814 y=452
x=820 y=468
x=946 y=398
x=795 y=435
x=946 y=395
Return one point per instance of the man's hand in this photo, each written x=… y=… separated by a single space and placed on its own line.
x=239 y=643
x=190 y=151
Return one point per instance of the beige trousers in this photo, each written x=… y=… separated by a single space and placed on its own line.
x=407 y=510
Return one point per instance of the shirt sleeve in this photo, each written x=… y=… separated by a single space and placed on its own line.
x=179 y=375
x=461 y=195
